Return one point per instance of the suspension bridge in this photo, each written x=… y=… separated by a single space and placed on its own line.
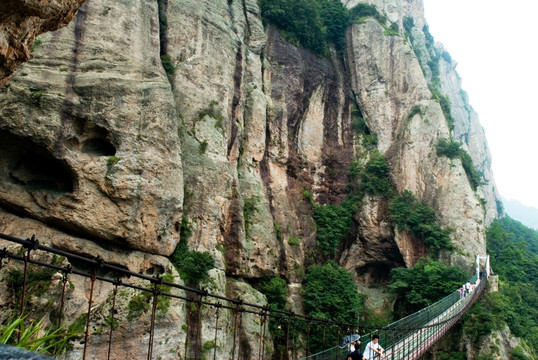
x=407 y=338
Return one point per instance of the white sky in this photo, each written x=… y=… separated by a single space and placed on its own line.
x=494 y=44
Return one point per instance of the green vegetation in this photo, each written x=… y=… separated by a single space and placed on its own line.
x=249 y=208
x=375 y=177
x=330 y=293
x=411 y=214
x=168 y=65
x=333 y=223
x=52 y=342
x=142 y=302
x=138 y=305
x=423 y=284
x=275 y=290
x=315 y=24
x=203 y=147
x=452 y=149
x=193 y=266
x=369 y=140
x=37 y=42
x=37 y=282
x=294 y=241
x=513 y=250
x=416 y=109
x=431 y=62
x=311 y=23
x=363 y=10
x=111 y=161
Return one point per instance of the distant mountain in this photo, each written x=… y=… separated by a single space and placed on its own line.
x=527 y=215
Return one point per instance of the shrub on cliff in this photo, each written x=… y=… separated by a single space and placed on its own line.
x=412 y=214
x=452 y=149
x=330 y=293
x=315 y=24
x=375 y=178
x=424 y=284
x=193 y=266
x=333 y=223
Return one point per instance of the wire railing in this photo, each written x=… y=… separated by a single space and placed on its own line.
x=295 y=330
x=411 y=336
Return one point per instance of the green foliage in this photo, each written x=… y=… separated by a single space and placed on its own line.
x=37 y=282
x=203 y=147
x=37 y=42
x=275 y=290
x=475 y=178
x=441 y=355
x=193 y=266
x=416 y=109
x=425 y=283
x=111 y=161
x=452 y=149
x=315 y=24
x=249 y=208
x=513 y=250
x=446 y=105
x=138 y=305
x=408 y=24
x=375 y=178
x=294 y=241
x=363 y=10
x=52 y=343
x=330 y=293
x=369 y=140
x=413 y=215
x=168 y=65
x=518 y=354
x=449 y=148
x=333 y=223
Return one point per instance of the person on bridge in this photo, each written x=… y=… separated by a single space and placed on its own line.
x=373 y=349
x=356 y=353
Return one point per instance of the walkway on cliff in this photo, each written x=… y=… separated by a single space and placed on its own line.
x=223 y=318
x=412 y=336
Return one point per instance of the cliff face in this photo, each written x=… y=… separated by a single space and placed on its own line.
x=22 y=21
x=106 y=152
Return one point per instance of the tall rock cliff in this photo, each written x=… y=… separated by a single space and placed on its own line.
x=140 y=118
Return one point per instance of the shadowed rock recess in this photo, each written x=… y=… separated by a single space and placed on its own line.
x=141 y=119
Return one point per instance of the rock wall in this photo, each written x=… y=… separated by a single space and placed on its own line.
x=22 y=21
x=142 y=117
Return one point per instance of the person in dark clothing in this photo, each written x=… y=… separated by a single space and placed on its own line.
x=356 y=355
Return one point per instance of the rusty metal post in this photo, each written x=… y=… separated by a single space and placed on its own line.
x=87 y=334
x=265 y=322
x=261 y=336
x=23 y=295
x=117 y=282
x=218 y=305
x=152 y=323
x=236 y=313
x=65 y=278
x=198 y=324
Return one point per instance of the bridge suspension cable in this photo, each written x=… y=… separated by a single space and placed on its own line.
x=405 y=338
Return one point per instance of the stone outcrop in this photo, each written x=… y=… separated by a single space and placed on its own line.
x=139 y=118
x=22 y=21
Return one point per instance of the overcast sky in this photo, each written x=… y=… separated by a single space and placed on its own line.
x=494 y=44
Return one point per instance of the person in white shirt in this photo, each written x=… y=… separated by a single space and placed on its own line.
x=373 y=349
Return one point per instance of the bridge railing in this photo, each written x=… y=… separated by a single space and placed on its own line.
x=411 y=336
x=295 y=329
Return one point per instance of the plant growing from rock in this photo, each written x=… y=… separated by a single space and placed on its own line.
x=415 y=216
